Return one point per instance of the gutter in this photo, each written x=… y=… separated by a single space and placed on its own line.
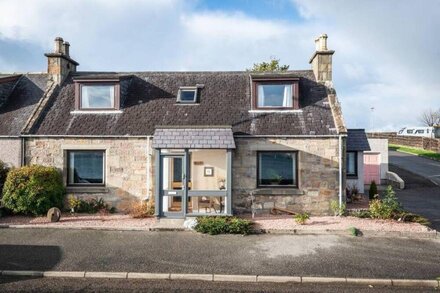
x=86 y=136
x=288 y=136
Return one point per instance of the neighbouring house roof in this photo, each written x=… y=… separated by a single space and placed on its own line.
x=19 y=95
x=357 y=140
x=194 y=138
x=148 y=99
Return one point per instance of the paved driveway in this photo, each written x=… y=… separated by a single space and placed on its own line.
x=186 y=252
x=418 y=165
x=422 y=185
x=420 y=196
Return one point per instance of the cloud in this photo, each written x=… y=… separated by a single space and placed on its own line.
x=386 y=51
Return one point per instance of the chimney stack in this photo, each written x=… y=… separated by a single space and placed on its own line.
x=59 y=63
x=322 y=60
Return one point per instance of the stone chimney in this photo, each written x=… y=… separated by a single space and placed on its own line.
x=59 y=63
x=322 y=60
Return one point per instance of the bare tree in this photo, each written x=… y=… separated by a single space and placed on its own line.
x=430 y=117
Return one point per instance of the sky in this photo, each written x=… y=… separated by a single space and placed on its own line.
x=386 y=67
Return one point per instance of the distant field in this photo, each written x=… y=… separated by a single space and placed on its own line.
x=414 y=151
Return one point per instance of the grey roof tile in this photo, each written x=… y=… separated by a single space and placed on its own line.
x=148 y=99
x=357 y=140
x=179 y=138
x=19 y=100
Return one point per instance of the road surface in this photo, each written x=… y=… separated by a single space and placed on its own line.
x=424 y=167
x=187 y=252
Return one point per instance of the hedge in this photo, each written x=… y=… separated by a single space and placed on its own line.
x=33 y=190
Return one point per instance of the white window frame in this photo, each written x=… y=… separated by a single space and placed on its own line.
x=187 y=88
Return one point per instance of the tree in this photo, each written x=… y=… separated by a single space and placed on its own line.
x=430 y=117
x=272 y=66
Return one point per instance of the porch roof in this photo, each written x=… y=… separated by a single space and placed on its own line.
x=357 y=140
x=194 y=138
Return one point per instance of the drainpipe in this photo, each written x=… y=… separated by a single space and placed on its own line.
x=148 y=197
x=340 y=170
x=23 y=152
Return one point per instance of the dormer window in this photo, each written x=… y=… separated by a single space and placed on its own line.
x=97 y=95
x=276 y=94
x=187 y=95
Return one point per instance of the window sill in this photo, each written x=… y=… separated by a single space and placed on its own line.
x=87 y=189
x=96 y=112
x=352 y=177
x=276 y=111
x=278 y=191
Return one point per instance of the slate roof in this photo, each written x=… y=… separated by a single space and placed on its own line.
x=18 y=98
x=148 y=99
x=357 y=140
x=194 y=138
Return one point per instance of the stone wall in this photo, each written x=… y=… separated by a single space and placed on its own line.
x=426 y=143
x=318 y=175
x=10 y=151
x=125 y=161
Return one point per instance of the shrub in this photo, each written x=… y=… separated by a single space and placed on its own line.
x=301 y=219
x=336 y=209
x=90 y=206
x=33 y=190
x=214 y=225
x=4 y=169
x=141 y=209
x=373 y=190
x=410 y=217
x=361 y=214
x=354 y=231
x=387 y=207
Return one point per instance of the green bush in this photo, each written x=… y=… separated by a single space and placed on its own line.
x=410 y=217
x=360 y=214
x=215 y=225
x=387 y=207
x=301 y=218
x=4 y=169
x=33 y=190
x=373 y=190
x=354 y=231
x=336 y=209
x=90 y=206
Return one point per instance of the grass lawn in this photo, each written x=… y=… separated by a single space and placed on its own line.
x=415 y=151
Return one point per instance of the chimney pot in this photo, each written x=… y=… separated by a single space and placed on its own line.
x=66 y=46
x=58 y=45
x=321 y=43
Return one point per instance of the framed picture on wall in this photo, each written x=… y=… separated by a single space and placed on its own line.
x=209 y=171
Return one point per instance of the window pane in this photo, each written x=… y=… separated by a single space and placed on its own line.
x=277 y=168
x=98 y=96
x=351 y=163
x=275 y=95
x=206 y=204
x=187 y=95
x=86 y=167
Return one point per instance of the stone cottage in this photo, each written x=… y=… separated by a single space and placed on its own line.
x=195 y=143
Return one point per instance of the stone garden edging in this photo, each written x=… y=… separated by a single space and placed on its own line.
x=223 y=278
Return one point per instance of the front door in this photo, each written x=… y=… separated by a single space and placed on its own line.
x=172 y=189
x=371 y=168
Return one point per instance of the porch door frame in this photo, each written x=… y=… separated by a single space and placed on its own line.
x=159 y=192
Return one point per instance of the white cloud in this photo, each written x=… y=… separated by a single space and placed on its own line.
x=386 y=51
